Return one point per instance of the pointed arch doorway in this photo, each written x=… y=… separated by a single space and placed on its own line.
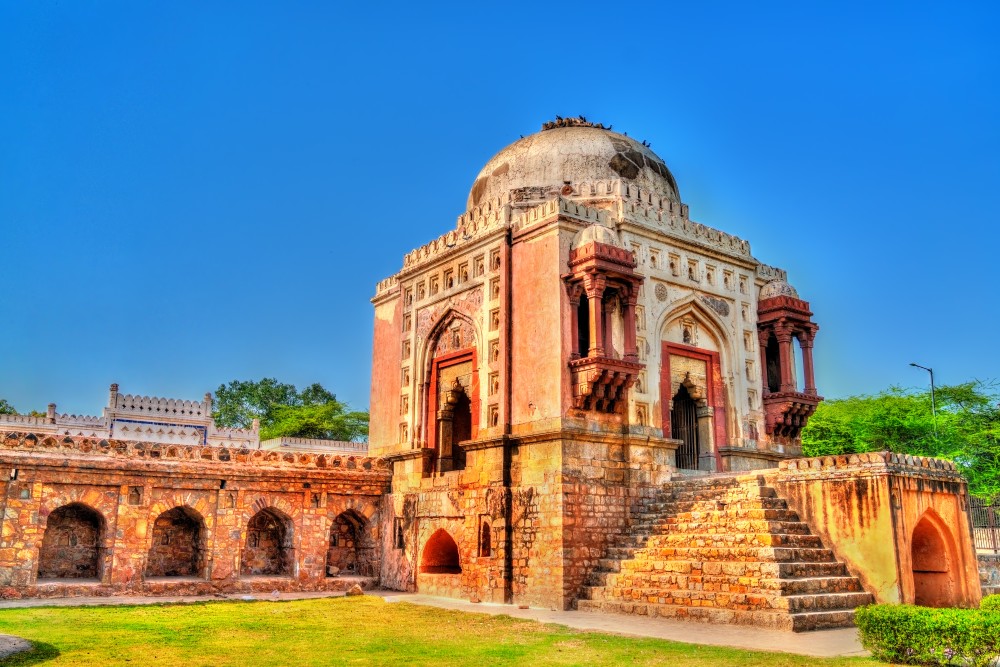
x=684 y=427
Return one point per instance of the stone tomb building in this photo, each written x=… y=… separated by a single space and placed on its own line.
x=545 y=369
x=581 y=398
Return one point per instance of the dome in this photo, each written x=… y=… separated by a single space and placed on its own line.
x=595 y=232
x=777 y=288
x=573 y=150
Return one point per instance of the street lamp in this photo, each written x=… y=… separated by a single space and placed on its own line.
x=933 y=406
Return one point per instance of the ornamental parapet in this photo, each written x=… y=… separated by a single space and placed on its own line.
x=872 y=463
x=26 y=442
x=786 y=412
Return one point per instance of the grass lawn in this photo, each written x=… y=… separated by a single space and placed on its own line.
x=339 y=631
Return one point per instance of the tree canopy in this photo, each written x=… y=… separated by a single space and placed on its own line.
x=966 y=429
x=6 y=408
x=283 y=410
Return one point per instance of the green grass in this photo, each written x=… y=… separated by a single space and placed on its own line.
x=339 y=631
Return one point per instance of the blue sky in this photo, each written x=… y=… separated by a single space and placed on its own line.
x=192 y=193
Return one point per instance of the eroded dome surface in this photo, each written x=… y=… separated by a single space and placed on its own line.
x=541 y=164
x=778 y=288
x=595 y=232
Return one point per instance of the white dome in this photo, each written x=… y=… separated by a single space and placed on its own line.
x=778 y=288
x=595 y=232
x=574 y=152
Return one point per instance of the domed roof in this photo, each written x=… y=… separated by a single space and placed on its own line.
x=595 y=232
x=778 y=288
x=573 y=150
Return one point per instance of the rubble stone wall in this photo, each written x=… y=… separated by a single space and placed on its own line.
x=101 y=517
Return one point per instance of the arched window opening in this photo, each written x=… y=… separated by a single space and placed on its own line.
x=351 y=550
x=71 y=544
x=485 y=540
x=178 y=548
x=798 y=374
x=933 y=577
x=773 y=356
x=583 y=326
x=440 y=555
x=684 y=427
x=268 y=549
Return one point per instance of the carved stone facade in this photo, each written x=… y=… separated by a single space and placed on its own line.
x=541 y=371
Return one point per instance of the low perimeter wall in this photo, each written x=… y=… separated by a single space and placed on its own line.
x=900 y=523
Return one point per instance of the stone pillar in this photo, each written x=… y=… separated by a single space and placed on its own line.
x=784 y=337
x=706 y=437
x=607 y=311
x=762 y=337
x=594 y=285
x=806 y=343
x=631 y=353
x=574 y=322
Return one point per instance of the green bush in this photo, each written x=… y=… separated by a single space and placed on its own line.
x=990 y=603
x=923 y=636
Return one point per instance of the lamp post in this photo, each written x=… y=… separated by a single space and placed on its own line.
x=933 y=406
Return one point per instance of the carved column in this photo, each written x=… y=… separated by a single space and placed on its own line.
x=806 y=343
x=631 y=353
x=574 y=322
x=594 y=285
x=607 y=312
x=785 y=354
x=706 y=436
x=762 y=337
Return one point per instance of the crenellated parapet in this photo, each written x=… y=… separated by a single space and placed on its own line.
x=154 y=406
x=132 y=451
x=769 y=273
x=472 y=226
x=920 y=466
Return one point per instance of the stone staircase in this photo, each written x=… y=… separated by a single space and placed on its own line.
x=724 y=549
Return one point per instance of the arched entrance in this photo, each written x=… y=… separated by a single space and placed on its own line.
x=177 y=549
x=934 y=582
x=440 y=555
x=268 y=549
x=351 y=550
x=684 y=427
x=71 y=544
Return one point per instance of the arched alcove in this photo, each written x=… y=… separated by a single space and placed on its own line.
x=351 y=549
x=71 y=545
x=933 y=565
x=440 y=555
x=268 y=548
x=177 y=549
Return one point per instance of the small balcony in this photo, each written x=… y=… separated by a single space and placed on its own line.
x=786 y=413
x=602 y=383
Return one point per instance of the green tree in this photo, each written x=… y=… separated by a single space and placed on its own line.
x=6 y=408
x=283 y=410
x=966 y=429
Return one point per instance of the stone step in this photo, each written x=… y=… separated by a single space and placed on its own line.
x=723 y=583
x=724 y=524
x=735 y=539
x=747 y=601
x=731 y=493
x=765 y=619
x=647 y=556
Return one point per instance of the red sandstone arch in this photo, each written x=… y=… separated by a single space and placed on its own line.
x=71 y=545
x=440 y=555
x=932 y=554
x=178 y=544
x=268 y=549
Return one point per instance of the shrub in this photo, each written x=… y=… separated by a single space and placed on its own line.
x=990 y=603
x=924 y=636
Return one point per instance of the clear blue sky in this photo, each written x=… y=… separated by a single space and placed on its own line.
x=192 y=193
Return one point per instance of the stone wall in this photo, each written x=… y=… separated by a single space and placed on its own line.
x=100 y=517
